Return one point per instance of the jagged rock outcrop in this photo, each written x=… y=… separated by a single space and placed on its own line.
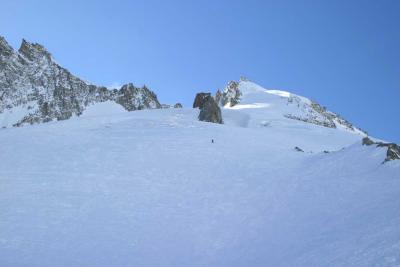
x=199 y=100
x=393 y=150
x=210 y=111
x=178 y=105
x=134 y=98
x=230 y=95
x=34 y=88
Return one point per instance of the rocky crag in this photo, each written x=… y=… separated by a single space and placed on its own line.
x=34 y=89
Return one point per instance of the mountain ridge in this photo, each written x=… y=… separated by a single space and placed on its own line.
x=37 y=89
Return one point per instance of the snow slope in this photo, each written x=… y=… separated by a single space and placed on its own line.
x=272 y=105
x=148 y=188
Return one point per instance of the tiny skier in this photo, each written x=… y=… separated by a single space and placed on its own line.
x=212 y=141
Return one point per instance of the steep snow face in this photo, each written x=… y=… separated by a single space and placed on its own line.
x=268 y=107
x=149 y=188
x=35 y=89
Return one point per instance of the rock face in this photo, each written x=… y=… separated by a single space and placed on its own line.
x=393 y=150
x=210 y=111
x=134 y=98
x=230 y=95
x=200 y=100
x=35 y=89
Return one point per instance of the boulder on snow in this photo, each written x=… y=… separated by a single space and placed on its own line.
x=178 y=105
x=298 y=149
x=210 y=111
x=200 y=99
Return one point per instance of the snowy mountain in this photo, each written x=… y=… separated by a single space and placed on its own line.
x=275 y=104
x=34 y=89
x=282 y=182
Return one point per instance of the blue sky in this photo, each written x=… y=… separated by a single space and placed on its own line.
x=343 y=54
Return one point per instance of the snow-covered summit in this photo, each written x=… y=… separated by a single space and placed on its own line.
x=276 y=105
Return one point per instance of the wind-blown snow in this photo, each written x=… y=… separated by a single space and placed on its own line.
x=148 y=188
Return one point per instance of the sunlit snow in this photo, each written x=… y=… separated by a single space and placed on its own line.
x=149 y=188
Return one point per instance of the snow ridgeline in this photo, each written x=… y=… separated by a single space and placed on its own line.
x=245 y=94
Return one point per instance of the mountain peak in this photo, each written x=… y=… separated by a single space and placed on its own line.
x=5 y=48
x=35 y=89
x=33 y=51
x=278 y=105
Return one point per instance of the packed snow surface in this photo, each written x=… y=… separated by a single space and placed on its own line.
x=149 y=188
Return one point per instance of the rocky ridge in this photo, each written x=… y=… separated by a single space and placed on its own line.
x=34 y=89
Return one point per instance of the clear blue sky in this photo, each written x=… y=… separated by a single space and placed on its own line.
x=343 y=54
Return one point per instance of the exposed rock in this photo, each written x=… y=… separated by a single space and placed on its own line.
x=32 y=81
x=366 y=141
x=230 y=96
x=134 y=98
x=5 y=48
x=178 y=105
x=298 y=149
x=393 y=150
x=314 y=113
x=200 y=99
x=165 y=106
x=210 y=111
x=34 y=52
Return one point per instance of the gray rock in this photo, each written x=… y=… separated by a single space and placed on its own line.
x=200 y=99
x=210 y=111
x=393 y=150
x=178 y=105
x=32 y=80
x=231 y=95
x=298 y=149
x=134 y=98
x=367 y=142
